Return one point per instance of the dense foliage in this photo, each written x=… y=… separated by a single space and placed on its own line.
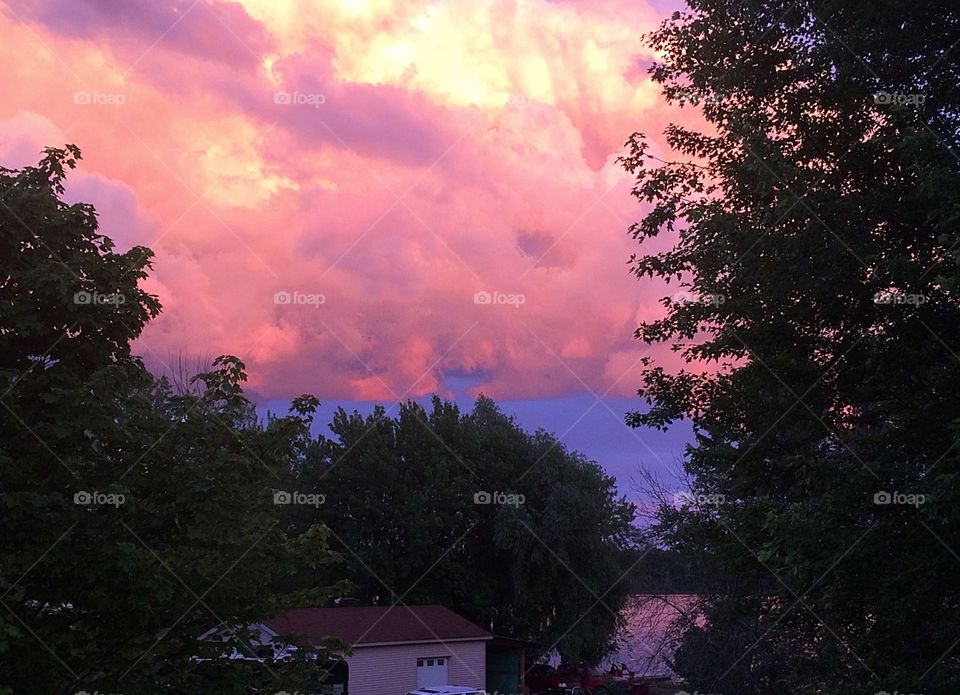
x=546 y=559
x=134 y=516
x=815 y=227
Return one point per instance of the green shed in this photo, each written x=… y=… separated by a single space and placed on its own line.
x=506 y=664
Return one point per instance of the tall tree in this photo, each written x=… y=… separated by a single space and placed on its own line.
x=545 y=559
x=133 y=516
x=814 y=222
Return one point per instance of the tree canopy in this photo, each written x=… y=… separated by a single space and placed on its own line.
x=510 y=529
x=134 y=515
x=815 y=229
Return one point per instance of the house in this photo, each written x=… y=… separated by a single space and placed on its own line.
x=396 y=649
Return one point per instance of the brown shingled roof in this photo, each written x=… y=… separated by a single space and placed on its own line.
x=377 y=624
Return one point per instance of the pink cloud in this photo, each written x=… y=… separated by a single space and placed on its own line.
x=214 y=30
x=398 y=198
x=22 y=140
x=372 y=120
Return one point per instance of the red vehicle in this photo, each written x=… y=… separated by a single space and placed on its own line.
x=592 y=680
x=628 y=682
x=543 y=679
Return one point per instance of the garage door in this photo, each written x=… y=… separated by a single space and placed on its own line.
x=432 y=671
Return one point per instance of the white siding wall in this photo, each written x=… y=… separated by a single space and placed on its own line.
x=393 y=670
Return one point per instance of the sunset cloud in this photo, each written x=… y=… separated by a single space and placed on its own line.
x=440 y=178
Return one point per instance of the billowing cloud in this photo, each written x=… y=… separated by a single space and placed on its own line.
x=22 y=139
x=361 y=199
x=215 y=30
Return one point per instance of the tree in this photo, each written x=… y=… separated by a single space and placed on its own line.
x=133 y=517
x=816 y=241
x=543 y=557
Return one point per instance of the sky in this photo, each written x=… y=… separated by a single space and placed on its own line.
x=371 y=201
